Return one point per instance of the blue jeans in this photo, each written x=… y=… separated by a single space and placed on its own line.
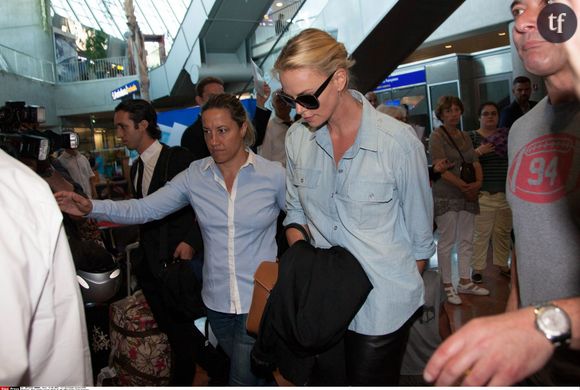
x=230 y=331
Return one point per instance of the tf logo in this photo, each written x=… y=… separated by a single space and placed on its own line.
x=546 y=169
x=557 y=22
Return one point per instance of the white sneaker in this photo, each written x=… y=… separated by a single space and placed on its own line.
x=472 y=289
x=452 y=296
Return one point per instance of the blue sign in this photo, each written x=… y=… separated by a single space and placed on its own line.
x=125 y=90
x=174 y=122
x=403 y=80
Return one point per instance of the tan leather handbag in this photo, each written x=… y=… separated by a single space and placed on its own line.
x=264 y=280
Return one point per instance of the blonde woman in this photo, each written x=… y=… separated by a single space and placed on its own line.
x=358 y=179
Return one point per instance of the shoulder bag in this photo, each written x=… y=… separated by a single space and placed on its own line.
x=467 y=170
x=264 y=280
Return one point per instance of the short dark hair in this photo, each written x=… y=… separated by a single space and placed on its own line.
x=482 y=105
x=446 y=102
x=237 y=111
x=521 y=80
x=204 y=82
x=140 y=110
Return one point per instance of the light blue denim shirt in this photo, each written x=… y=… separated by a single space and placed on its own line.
x=238 y=228
x=377 y=204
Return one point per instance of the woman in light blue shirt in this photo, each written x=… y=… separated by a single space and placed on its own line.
x=237 y=197
x=358 y=179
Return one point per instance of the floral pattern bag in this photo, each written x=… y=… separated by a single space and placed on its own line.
x=140 y=352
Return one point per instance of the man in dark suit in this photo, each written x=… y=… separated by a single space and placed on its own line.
x=175 y=236
x=192 y=138
x=522 y=90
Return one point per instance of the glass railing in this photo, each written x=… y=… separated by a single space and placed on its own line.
x=274 y=25
x=349 y=21
x=272 y=34
x=15 y=62
x=76 y=69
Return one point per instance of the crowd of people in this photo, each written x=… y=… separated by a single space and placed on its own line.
x=350 y=177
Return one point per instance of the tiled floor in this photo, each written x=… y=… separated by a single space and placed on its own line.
x=476 y=306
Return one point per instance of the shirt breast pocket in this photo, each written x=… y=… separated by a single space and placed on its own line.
x=372 y=202
x=306 y=180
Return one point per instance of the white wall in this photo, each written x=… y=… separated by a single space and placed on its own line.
x=21 y=28
x=473 y=15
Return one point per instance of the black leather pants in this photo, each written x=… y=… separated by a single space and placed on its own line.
x=375 y=360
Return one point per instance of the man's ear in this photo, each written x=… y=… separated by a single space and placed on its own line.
x=199 y=101
x=142 y=126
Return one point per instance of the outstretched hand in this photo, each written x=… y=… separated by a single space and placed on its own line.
x=73 y=203
x=263 y=97
x=496 y=351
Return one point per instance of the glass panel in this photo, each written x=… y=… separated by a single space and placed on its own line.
x=108 y=25
x=496 y=91
x=61 y=7
x=162 y=17
x=415 y=100
x=117 y=12
x=83 y=15
x=147 y=23
x=438 y=90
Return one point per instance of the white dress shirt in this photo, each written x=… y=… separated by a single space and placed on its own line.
x=238 y=227
x=149 y=158
x=43 y=335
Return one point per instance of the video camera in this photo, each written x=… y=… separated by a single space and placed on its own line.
x=19 y=138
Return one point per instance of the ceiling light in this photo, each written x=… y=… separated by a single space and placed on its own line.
x=448 y=46
x=279 y=4
x=501 y=34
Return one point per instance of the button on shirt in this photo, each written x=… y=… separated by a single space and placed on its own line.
x=238 y=228
x=149 y=158
x=377 y=204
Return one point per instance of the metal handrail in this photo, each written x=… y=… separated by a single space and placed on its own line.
x=77 y=69
x=297 y=5
x=22 y=64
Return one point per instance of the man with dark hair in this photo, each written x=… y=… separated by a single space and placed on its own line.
x=192 y=138
x=175 y=236
x=522 y=89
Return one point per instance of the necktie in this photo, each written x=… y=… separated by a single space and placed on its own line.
x=140 y=168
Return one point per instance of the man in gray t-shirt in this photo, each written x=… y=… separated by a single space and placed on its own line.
x=543 y=188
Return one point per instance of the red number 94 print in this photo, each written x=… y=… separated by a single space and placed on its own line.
x=546 y=169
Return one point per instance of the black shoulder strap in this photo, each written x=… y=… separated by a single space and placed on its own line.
x=453 y=142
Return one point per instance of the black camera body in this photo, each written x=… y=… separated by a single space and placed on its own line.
x=14 y=114
x=19 y=138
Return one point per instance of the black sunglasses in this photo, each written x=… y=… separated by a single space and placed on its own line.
x=308 y=101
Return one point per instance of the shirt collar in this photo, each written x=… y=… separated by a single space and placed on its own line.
x=366 y=138
x=250 y=161
x=153 y=150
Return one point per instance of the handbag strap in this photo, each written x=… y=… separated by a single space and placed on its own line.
x=453 y=142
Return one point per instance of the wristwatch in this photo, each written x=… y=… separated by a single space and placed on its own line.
x=554 y=323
